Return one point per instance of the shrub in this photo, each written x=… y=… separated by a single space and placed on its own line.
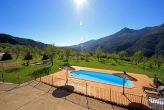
x=28 y=56
x=6 y=56
x=45 y=57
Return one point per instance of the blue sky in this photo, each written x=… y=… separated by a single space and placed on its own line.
x=58 y=21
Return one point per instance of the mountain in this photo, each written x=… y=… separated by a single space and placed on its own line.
x=86 y=45
x=5 y=38
x=149 y=39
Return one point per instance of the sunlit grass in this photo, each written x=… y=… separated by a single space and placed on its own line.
x=25 y=73
x=22 y=74
x=121 y=66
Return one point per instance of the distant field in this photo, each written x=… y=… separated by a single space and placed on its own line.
x=12 y=73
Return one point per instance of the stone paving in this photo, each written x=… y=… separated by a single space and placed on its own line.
x=35 y=95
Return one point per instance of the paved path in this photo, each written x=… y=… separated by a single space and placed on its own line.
x=38 y=96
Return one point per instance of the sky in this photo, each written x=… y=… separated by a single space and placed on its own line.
x=70 y=22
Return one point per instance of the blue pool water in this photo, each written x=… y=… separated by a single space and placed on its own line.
x=100 y=77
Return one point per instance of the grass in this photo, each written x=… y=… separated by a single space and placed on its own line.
x=121 y=66
x=22 y=74
x=26 y=73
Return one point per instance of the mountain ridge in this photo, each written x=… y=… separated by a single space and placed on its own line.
x=6 y=38
x=148 y=39
x=130 y=40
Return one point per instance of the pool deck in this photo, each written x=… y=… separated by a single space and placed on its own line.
x=142 y=80
x=99 y=88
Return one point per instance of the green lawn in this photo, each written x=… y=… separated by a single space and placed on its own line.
x=121 y=66
x=23 y=73
x=26 y=73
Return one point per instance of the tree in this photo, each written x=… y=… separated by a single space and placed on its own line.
x=161 y=61
x=16 y=49
x=36 y=52
x=1 y=49
x=67 y=53
x=157 y=60
x=51 y=51
x=98 y=53
x=86 y=55
x=45 y=57
x=138 y=56
x=144 y=60
x=6 y=56
x=78 y=55
x=28 y=57
x=104 y=55
x=61 y=54
x=27 y=54
x=122 y=55
x=150 y=65
x=114 y=56
x=109 y=56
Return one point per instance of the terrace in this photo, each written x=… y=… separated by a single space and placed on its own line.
x=108 y=94
x=105 y=92
x=36 y=95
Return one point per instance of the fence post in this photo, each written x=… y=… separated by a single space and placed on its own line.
x=40 y=77
x=3 y=73
x=18 y=79
x=110 y=95
x=2 y=77
x=86 y=89
x=141 y=99
x=52 y=80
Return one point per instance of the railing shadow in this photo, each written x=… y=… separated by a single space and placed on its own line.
x=127 y=98
x=63 y=91
x=66 y=91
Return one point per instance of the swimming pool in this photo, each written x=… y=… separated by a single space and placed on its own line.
x=101 y=77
